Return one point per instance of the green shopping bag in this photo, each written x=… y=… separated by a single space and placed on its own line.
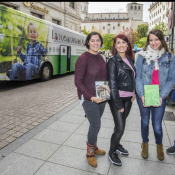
x=151 y=93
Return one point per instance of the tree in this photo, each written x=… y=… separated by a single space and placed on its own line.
x=131 y=34
x=108 y=41
x=85 y=31
x=162 y=26
x=141 y=42
x=142 y=30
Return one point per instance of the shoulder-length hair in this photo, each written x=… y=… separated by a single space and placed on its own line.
x=160 y=36
x=129 y=51
x=89 y=37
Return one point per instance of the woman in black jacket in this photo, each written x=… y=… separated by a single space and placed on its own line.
x=121 y=77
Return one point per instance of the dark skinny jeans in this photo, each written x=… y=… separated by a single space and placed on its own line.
x=119 y=121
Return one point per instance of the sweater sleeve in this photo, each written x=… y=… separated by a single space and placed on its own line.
x=80 y=73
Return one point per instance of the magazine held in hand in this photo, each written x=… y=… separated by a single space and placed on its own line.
x=151 y=93
x=101 y=88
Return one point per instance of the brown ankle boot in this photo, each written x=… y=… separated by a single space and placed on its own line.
x=99 y=151
x=144 y=150
x=160 y=153
x=90 y=155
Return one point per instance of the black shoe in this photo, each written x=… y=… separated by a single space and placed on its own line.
x=170 y=150
x=113 y=157
x=121 y=150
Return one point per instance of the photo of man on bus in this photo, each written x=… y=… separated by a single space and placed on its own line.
x=32 y=59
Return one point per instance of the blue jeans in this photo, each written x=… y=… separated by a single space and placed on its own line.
x=18 y=69
x=157 y=116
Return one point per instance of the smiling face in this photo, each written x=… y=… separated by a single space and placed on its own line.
x=121 y=45
x=154 y=42
x=32 y=33
x=94 y=44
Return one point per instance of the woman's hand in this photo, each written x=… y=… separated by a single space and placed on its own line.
x=160 y=103
x=121 y=110
x=133 y=97
x=143 y=101
x=96 y=100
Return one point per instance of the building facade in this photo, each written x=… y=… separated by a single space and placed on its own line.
x=114 y=23
x=158 y=12
x=66 y=14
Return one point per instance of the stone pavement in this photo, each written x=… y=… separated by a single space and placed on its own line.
x=25 y=105
x=58 y=147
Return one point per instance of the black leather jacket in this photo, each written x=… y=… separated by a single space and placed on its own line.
x=120 y=77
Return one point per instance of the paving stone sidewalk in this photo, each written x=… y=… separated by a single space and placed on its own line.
x=25 y=105
x=58 y=147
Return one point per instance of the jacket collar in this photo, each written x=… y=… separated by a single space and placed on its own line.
x=118 y=58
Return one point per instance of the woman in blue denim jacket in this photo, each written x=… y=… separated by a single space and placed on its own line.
x=154 y=65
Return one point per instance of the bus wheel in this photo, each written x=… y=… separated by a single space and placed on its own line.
x=45 y=72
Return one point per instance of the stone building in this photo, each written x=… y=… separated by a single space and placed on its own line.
x=66 y=14
x=113 y=23
x=158 y=12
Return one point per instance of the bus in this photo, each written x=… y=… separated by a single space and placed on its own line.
x=33 y=48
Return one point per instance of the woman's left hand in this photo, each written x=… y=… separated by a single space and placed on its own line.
x=133 y=97
x=160 y=103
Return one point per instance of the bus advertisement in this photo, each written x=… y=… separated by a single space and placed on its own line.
x=33 y=48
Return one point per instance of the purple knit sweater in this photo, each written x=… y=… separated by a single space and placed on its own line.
x=88 y=69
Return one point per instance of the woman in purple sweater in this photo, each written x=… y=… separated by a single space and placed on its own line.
x=91 y=67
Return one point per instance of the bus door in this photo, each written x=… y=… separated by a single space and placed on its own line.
x=68 y=58
x=63 y=59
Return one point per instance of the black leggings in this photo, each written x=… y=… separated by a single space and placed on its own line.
x=119 y=121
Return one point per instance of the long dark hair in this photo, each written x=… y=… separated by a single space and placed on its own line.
x=129 y=49
x=160 y=36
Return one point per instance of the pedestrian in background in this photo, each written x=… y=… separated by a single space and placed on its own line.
x=154 y=65
x=90 y=67
x=121 y=77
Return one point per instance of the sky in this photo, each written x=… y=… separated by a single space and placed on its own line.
x=105 y=7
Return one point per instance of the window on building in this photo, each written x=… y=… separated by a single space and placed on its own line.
x=139 y=7
x=123 y=27
x=131 y=7
x=81 y=7
x=7 y=5
x=113 y=27
x=135 y=8
x=103 y=27
x=85 y=8
x=37 y=15
x=56 y=21
x=156 y=13
x=71 y=4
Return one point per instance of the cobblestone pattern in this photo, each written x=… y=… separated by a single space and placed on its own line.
x=23 y=108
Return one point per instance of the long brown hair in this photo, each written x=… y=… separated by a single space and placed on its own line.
x=160 y=36
x=129 y=49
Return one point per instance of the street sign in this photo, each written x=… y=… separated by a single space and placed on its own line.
x=135 y=46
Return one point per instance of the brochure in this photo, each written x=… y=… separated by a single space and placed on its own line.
x=102 y=90
x=151 y=93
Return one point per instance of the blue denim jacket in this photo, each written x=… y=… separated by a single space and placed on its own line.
x=166 y=75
